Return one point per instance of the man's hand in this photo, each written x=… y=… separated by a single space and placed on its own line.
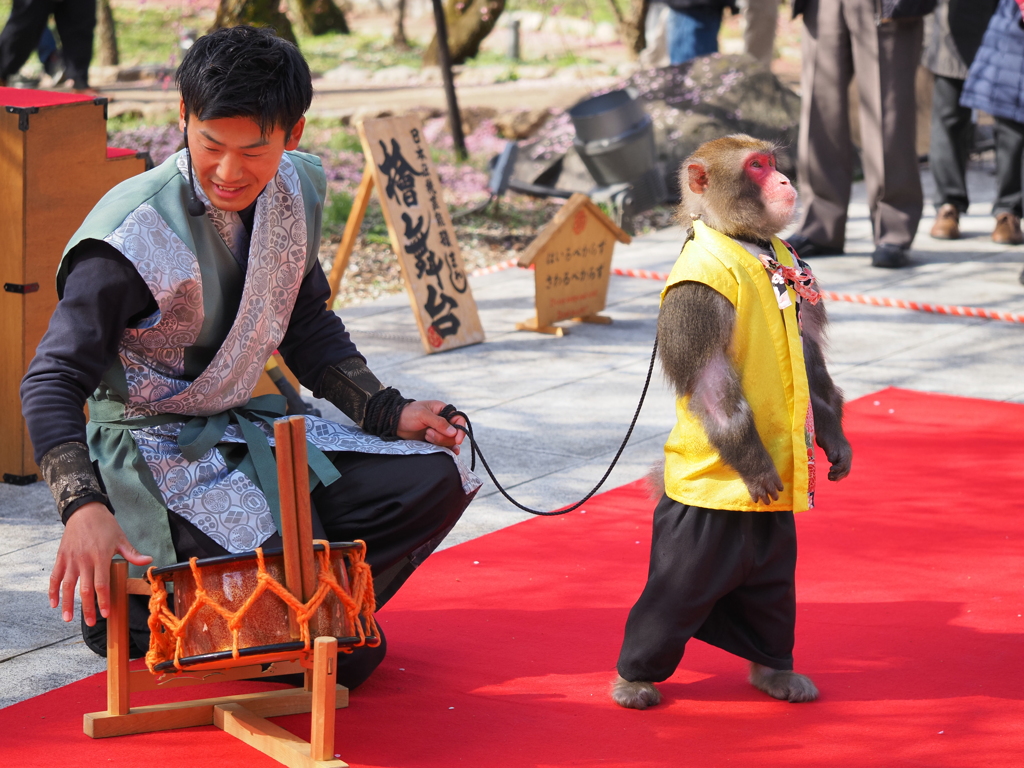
x=420 y=421
x=90 y=540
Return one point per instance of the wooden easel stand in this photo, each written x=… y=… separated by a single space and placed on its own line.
x=244 y=715
x=557 y=330
x=348 y=238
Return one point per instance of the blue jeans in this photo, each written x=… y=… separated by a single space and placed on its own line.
x=693 y=33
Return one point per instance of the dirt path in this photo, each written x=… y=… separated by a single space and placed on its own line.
x=347 y=100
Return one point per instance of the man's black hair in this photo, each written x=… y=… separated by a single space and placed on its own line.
x=245 y=72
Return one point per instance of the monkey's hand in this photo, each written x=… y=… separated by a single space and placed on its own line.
x=764 y=485
x=840 y=456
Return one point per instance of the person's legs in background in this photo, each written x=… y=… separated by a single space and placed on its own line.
x=693 y=33
x=824 y=147
x=885 y=62
x=76 y=21
x=21 y=34
x=761 y=17
x=951 y=133
x=1009 y=136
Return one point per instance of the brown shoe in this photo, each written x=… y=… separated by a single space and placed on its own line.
x=947 y=223
x=1007 y=231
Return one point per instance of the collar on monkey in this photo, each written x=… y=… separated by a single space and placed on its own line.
x=799 y=277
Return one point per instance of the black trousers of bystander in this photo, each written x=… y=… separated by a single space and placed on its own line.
x=401 y=506
x=723 y=577
x=75 y=20
x=1009 y=137
x=949 y=149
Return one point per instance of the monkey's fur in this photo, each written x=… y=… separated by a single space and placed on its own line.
x=695 y=332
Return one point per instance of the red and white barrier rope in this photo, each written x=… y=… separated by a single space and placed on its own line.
x=643 y=273
x=875 y=301
x=501 y=267
x=939 y=309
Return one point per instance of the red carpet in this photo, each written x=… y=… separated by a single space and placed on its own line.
x=502 y=649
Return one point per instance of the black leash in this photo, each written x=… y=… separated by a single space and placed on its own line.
x=450 y=411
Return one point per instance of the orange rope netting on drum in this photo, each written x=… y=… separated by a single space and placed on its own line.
x=167 y=631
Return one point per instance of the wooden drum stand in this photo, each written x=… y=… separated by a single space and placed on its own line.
x=243 y=716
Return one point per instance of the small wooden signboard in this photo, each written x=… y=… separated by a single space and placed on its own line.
x=572 y=261
x=399 y=166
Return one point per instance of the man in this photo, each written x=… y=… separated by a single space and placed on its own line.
x=878 y=42
x=173 y=294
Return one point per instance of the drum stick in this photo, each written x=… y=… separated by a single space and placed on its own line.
x=289 y=524
x=303 y=513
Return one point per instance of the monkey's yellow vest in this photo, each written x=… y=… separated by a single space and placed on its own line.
x=767 y=355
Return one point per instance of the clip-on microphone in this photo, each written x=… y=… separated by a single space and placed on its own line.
x=195 y=206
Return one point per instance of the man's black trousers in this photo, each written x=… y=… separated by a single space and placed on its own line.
x=723 y=577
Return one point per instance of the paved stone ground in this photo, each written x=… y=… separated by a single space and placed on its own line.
x=551 y=412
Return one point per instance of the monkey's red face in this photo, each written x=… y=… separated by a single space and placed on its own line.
x=778 y=194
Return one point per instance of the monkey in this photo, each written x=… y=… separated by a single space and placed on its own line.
x=741 y=334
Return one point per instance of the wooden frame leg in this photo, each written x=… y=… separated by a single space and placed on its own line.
x=531 y=325
x=597 y=319
x=118 y=691
x=348 y=237
x=325 y=671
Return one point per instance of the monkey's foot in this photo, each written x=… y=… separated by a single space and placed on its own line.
x=638 y=695
x=782 y=684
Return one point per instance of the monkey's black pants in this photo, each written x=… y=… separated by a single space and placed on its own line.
x=723 y=577
x=401 y=506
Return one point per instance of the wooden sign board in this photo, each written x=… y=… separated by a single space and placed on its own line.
x=421 y=233
x=572 y=261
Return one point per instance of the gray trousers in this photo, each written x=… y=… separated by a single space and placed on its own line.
x=761 y=18
x=841 y=41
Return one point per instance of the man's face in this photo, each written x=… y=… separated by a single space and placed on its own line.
x=233 y=161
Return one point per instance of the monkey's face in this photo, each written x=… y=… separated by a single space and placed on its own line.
x=777 y=193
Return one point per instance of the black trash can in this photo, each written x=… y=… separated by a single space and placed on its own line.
x=615 y=140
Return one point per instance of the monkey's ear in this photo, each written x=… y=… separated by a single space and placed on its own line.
x=698 y=178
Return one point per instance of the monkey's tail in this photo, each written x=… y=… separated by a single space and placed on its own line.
x=450 y=411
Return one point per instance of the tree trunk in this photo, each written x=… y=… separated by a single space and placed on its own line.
x=255 y=13
x=468 y=25
x=107 y=34
x=316 y=17
x=398 y=38
x=633 y=25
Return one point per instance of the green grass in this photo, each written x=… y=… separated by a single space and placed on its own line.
x=345 y=140
x=149 y=35
x=328 y=51
x=339 y=206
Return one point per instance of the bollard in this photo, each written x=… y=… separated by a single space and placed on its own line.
x=513 y=40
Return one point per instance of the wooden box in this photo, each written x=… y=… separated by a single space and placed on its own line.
x=54 y=166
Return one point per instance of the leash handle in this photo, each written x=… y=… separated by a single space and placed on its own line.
x=450 y=411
